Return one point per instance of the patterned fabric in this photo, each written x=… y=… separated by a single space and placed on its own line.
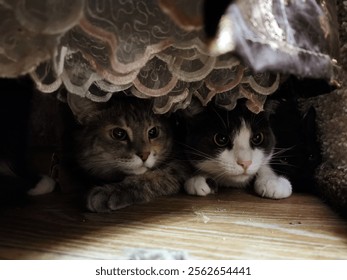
x=158 y=49
x=331 y=111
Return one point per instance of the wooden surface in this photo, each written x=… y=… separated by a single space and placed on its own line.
x=230 y=225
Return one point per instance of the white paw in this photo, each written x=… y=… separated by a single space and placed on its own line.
x=45 y=185
x=197 y=186
x=273 y=187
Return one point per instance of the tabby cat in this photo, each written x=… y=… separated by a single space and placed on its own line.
x=231 y=148
x=120 y=152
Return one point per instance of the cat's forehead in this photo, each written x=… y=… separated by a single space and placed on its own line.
x=235 y=119
x=244 y=133
x=136 y=123
x=140 y=118
x=130 y=113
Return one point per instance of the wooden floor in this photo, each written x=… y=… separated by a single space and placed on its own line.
x=230 y=225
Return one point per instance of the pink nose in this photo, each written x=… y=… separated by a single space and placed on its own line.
x=143 y=155
x=244 y=163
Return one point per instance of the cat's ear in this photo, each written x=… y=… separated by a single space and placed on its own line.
x=82 y=108
x=270 y=107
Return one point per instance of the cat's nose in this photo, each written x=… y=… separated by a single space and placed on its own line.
x=143 y=155
x=244 y=163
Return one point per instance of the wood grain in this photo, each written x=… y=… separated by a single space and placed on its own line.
x=232 y=224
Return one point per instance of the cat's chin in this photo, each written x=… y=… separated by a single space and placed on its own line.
x=139 y=171
x=236 y=180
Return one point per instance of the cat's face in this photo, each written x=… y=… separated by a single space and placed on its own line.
x=124 y=136
x=229 y=146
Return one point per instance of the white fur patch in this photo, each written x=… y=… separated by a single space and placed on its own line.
x=197 y=186
x=241 y=141
x=270 y=185
x=133 y=166
x=150 y=162
x=244 y=152
x=136 y=166
x=138 y=171
x=45 y=185
x=225 y=173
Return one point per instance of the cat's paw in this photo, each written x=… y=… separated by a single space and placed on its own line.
x=275 y=187
x=103 y=199
x=197 y=185
x=97 y=200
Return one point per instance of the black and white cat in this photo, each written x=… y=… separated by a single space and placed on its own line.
x=120 y=152
x=231 y=148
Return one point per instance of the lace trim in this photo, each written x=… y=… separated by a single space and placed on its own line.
x=157 y=49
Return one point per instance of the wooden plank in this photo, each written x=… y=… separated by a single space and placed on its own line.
x=232 y=224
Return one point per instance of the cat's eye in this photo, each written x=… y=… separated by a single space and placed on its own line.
x=153 y=132
x=221 y=140
x=257 y=139
x=119 y=134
